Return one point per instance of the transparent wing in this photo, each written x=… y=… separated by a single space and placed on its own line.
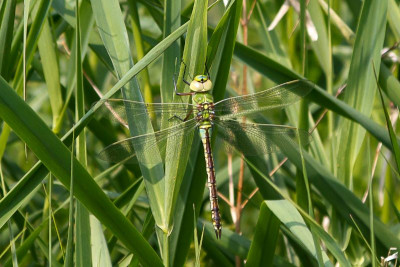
x=120 y=109
x=279 y=96
x=149 y=147
x=253 y=139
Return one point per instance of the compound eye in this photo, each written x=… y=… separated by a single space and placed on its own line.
x=207 y=85
x=196 y=86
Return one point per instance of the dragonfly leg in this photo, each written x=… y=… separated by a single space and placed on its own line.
x=184 y=72
x=181 y=94
x=176 y=117
x=188 y=115
x=176 y=90
x=180 y=119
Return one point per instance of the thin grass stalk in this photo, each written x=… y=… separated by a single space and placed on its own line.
x=12 y=240
x=3 y=138
x=302 y=178
x=174 y=172
x=371 y=205
x=301 y=186
x=137 y=34
x=310 y=206
x=329 y=89
x=83 y=228
x=171 y=57
x=69 y=256
x=26 y=15
x=165 y=249
x=50 y=181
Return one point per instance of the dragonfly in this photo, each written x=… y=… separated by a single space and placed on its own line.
x=203 y=114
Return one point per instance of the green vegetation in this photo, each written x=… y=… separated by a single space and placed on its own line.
x=333 y=201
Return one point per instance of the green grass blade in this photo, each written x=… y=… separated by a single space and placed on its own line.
x=21 y=192
x=156 y=12
x=34 y=238
x=5 y=133
x=86 y=15
x=171 y=56
x=320 y=46
x=40 y=14
x=390 y=84
x=292 y=219
x=83 y=228
x=55 y=156
x=272 y=44
x=50 y=211
x=221 y=47
x=262 y=249
x=108 y=17
x=27 y=244
x=393 y=137
x=48 y=55
x=24 y=72
x=69 y=253
x=211 y=247
x=360 y=94
x=10 y=229
x=393 y=206
x=344 y=29
x=361 y=87
x=371 y=201
x=197 y=246
x=394 y=18
x=192 y=189
x=99 y=249
x=6 y=31
x=139 y=44
x=83 y=237
x=309 y=205
x=231 y=243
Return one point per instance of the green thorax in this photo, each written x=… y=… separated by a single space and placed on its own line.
x=200 y=98
x=205 y=103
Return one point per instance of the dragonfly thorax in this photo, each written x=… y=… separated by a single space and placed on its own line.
x=205 y=114
x=201 y=83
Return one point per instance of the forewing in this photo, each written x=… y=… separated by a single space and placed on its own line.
x=120 y=109
x=276 y=97
x=253 y=139
x=147 y=147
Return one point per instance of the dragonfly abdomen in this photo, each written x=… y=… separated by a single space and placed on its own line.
x=205 y=133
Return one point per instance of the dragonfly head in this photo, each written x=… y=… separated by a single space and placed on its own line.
x=201 y=83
